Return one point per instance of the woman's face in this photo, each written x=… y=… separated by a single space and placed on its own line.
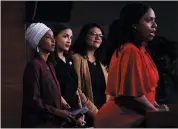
x=94 y=38
x=146 y=28
x=47 y=42
x=64 y=39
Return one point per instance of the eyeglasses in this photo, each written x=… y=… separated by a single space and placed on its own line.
x=94 y=34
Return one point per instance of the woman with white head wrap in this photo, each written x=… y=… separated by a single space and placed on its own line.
x=42 y=101
x=35 y=32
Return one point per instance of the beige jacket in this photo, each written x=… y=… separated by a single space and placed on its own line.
x=84 y=83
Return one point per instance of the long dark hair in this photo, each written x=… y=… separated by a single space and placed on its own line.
x=80 y=45
x=58 y=28
x=121 y=30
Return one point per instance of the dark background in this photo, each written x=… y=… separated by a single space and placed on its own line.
x=14 y=51
x=103 y=12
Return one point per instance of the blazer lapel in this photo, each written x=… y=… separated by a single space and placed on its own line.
x=87 y=79
x=105 y=73
x=53 y=73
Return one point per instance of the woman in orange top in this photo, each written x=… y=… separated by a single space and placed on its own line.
x=132 y=76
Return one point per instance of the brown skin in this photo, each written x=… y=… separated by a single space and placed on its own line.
x=46 y=45
x=146 y=28
x=144 y=32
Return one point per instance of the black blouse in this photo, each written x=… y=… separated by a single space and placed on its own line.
x=98 y=83
x=68 y=80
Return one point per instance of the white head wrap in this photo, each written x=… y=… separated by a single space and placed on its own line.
x=34 y=33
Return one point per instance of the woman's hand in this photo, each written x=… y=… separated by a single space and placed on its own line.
x=81 y=121
x=156 y=104
x=67 y=116
x=163 y=107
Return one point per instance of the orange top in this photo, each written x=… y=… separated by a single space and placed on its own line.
x=132 y=73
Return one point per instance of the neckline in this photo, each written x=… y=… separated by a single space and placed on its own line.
x=93 y=63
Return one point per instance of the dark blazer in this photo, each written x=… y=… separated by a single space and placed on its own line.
x=41 y=94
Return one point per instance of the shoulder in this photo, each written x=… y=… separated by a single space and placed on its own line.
x=78 y=57
x=130 y=49
x=79 y=60
x=130 y=46
x=33 y=67
x=128 y=52
x=35 y=63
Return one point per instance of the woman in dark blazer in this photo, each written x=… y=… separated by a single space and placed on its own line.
x=43 y=105
x=63 y=65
